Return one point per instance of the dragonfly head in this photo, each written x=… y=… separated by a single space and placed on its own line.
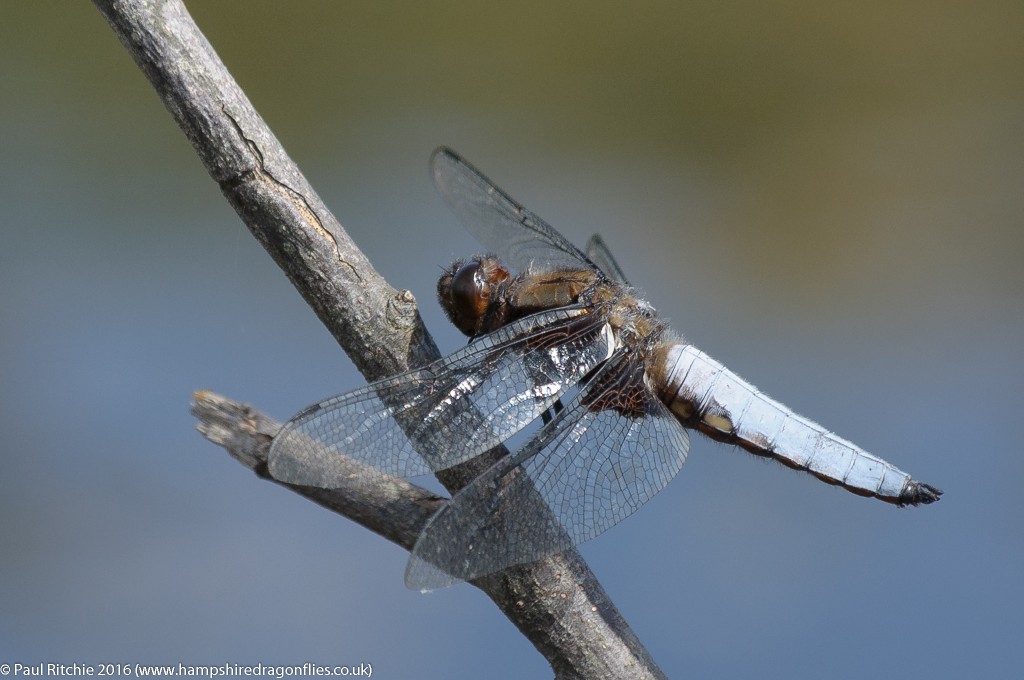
x=466 y=290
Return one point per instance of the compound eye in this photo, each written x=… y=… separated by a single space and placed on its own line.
x=470 y=293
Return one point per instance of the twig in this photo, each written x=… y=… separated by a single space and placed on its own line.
x=389 y=506
x=557 y=603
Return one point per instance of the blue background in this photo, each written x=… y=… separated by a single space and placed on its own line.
x=827 y=199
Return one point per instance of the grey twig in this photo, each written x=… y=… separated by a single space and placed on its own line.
x=389 y=506
x=557 y=603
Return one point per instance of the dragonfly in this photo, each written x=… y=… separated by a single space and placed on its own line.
x=557 y=336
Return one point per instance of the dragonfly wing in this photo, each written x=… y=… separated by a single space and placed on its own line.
x=600 y=255
x=432 y=418
x=602 y=457
x=518 y=236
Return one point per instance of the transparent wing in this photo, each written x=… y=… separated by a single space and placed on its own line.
x=600 y=255
x=519 y=237
x=610 y=451
x=432 y=418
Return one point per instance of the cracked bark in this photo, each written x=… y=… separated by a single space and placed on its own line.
x=557 y=603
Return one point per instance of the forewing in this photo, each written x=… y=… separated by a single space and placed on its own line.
x=518 y=236
x=610 y=451
x=432 y=418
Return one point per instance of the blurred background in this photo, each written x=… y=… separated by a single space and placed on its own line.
x=826 y=198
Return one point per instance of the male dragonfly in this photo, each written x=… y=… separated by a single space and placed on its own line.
x=558 y=333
